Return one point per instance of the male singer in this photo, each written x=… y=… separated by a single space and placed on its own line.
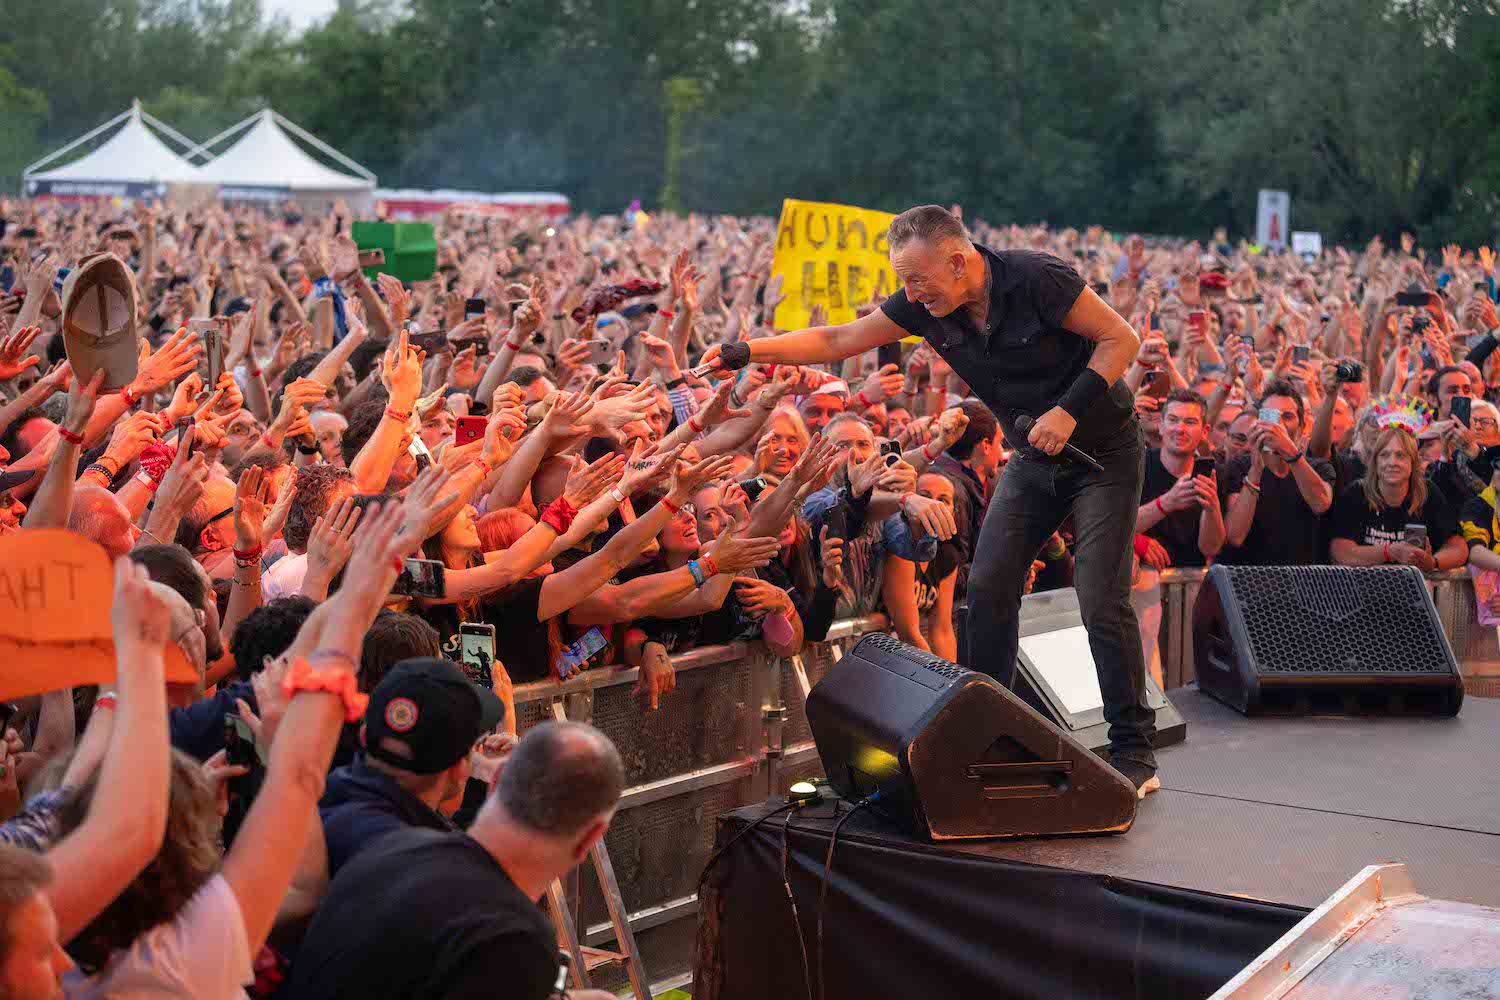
x=1030 y=338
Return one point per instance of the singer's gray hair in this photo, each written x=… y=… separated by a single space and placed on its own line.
x=931 y=223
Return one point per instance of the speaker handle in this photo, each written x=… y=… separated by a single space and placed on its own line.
x=1022 y=779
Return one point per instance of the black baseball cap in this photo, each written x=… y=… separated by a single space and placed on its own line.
x=425 y=715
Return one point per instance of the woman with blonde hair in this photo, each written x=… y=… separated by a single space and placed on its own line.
x=1393 y=514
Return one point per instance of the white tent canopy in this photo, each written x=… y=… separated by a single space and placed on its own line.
x=132 y=156
x=266 y=157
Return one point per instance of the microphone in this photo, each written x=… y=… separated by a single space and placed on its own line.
x=1023 y=424
x=731 y=356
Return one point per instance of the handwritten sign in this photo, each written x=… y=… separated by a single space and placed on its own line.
x=830 y=255
x=56 y=591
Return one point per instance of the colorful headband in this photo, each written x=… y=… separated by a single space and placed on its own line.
x=1401 y=411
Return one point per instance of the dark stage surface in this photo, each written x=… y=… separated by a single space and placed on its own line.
x=1257 y=820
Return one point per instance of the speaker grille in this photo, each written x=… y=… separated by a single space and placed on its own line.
x=894 y=646
x=1338 y=620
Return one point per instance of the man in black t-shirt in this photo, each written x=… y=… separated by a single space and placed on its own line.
x=1277 y=496
x=1180 y=505
x=1030 y=339
x=429 y=914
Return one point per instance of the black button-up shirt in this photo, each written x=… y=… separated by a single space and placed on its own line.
x=1023 y=361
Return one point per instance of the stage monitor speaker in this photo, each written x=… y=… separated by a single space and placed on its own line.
x=948 y=753
x=1055 y=673
x=1326 y=639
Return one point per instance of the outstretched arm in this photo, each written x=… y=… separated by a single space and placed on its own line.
x=819 y=343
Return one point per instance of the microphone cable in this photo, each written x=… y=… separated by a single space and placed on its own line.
x=827 y=875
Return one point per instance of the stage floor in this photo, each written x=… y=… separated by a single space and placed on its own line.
x=1288 y=809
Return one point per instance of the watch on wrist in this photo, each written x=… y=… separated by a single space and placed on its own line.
x=679 y=380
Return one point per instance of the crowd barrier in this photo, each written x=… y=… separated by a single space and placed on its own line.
x=731 y=734
x=734 y=732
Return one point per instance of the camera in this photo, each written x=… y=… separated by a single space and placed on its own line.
x=1349 y=371
x=1419 y=323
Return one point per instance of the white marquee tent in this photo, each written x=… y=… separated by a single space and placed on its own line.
x=132 y=162
x=264 y=163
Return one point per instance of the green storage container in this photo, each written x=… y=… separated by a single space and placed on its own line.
x=410 y=248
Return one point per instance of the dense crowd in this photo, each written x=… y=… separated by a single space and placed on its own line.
x=346 y=516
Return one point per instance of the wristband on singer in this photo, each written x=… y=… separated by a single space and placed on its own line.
x=1087 y=389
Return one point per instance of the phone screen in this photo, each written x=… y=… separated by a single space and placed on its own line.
x=1203 y=467
x=473 y=308
x=1415 y=534
x=1301 y=353
x=889 y=354
x=601 y=352
x=1412 y=299
x=578 y=654
x=1269 y=415
x=477 y=645
x=420 y=578
x=1158 y=384
x=213 y=350
x=1462 y=408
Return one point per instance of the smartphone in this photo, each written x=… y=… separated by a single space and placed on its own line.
x=26 y=233
x=473 y=308
x=1301 y=353
x=1198 y=319
x=888 y=354
x=8 y=711
x=372 y=258
x=753 y=487
x=469 y=429
x=838 y=522
x=1461 y=407
x=891 y=458
x=1480 y=286
x=1416 y=535
x=432 y=343
x=1158 y=384
x=890 y=448
x=477 y=646
x=213 y=351
x=239 y=742
x=420 y=578
x=1414 y=299
x=1269 y=415
x=1203 y=467
x=578 y=654
x=602 y=352
x=419 y=453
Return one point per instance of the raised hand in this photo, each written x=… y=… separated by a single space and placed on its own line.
x=133 y=435
x=733 y=554
x=689 y=479
x=645 y=467
x=420 y=506
x=883 y=384
x=717 y=409
x=588 y=481
x=81 y=398
x=174 y=359
x=329 y=546
x=401 y=372
x=760 y=597
x=933 y=517
x=139 y=617
x=568 y=415
x=13 y=347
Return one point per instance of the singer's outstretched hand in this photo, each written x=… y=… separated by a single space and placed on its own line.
x=1052 y=430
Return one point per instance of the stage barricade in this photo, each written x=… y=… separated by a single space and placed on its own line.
x=1474 y=644
x=732 y=733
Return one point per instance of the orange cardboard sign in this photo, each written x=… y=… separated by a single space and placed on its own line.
x=56 y=591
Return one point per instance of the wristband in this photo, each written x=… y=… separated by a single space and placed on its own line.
x=69 y=436
x=905 y=497
x=131 y=398
x=303 y=676
x=1088 y=388
x=930 y=458
x=102 y=470
x=709 y=566
x=667 y=313
x=1160 y=509
x=248 y=555
x=397 y=415
x=696 y=428
x=303 y=449
x=1385 y=552
x=144 y=478
x=559 y=515
x=698 y=578
x=1252 y=487
x=673 y=507
x=616 y=495
x=266 y=440
x=253 y=372
x=104 y=701
x=859 y=398
x=515 y=346
x=679 y=380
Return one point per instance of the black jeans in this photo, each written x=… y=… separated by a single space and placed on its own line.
x=1032 y=498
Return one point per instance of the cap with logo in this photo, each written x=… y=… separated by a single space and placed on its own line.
x=99 y=320
x=425 y=715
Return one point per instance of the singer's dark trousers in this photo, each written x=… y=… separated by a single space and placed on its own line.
x=1031 y=500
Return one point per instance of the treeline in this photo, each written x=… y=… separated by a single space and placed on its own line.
x=1160 y=115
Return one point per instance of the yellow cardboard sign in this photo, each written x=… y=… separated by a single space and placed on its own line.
x=833 y=255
